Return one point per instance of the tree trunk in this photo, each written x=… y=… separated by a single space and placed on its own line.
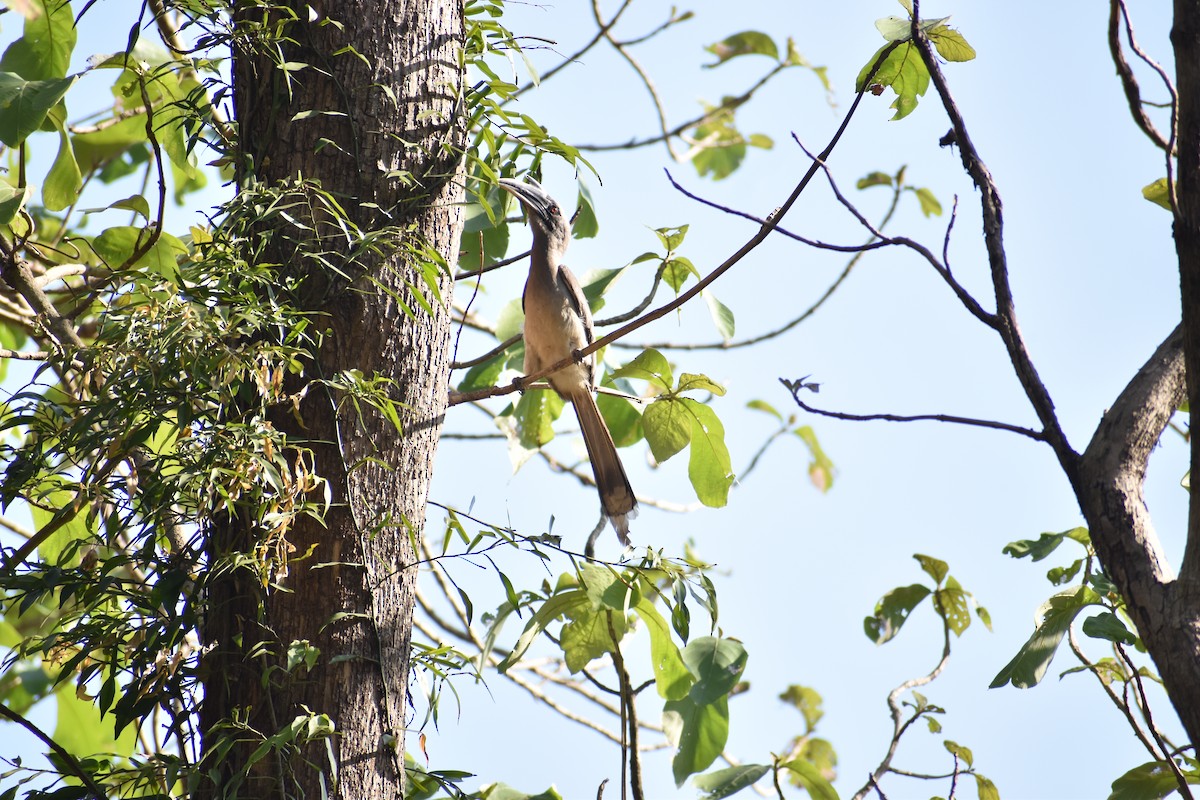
x=383 y=132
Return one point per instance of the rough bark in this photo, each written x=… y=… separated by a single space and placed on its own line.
x=389 y=105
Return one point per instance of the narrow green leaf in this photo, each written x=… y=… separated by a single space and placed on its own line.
x=554 y=607
x=929 y=203
x=722 y=315
x=672 y=678
x=765 y=407
x=1044 y=545
x=729 y=781
x=1158 y=193
x=874 y=179
x=820 y=469
x=710 y=468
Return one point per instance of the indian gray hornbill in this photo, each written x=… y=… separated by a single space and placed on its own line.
x=558 y=324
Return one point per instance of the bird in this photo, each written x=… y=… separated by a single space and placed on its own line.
x=558 y=324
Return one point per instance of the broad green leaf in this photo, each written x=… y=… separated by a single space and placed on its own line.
x=929 y=203
x=668 y=427
x=964 y=753
x=743 y=44
x=12 y=200
x=64 y=180
x=1028 y=666
x=606 y=589
x=510 y=320
x=44 y=50
x=1151 y=781
x=671 y=676
x=117 y=245
x=554 y=607
x=807 y=701
x=623 y=419
x=483 y=374
x=1158 y=193
x=722 y=315
x=934 y=567
x=717 y=664
x=81 y=730
x=535 y=414
x=1108 y=625
x=672 y=238
x=710 y=468
x=874 y=179
x=691 y=382
x=482 y=248
x=103 y=147
x=1045 y=544
x=586 y=225
x=699 y=734
x=809 y=776
x=953 y=605
x=587 y=636
x=902 y=71
x=731 y=780
x=25 y=104
x=950 y=44
x=500 y=791
x=75 y=529
x=649 y=365
x=677 y=270
x=892 y=610
x=985 y=788
x=595 y=284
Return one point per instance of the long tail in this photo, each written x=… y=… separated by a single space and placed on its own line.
x=616 y=495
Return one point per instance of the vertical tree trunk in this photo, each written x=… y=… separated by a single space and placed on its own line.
x=374 y=118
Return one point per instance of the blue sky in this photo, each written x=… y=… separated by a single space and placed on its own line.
x=1093 y=271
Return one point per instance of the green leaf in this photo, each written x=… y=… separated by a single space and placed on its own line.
x=710 y=468
x=1108 y=625
x=820 y=469
x=722 y=315
x=483 y=374
x=953 y=605
x=500 y=791
x=934 y=568
x=672 y=678
x=586 y=225
x=535 y=414
x=903 y=72
x=74 y=530
x=623 y=419
x=25 y=104
x=717 y=664
x=731 y=780
x=699 y=734
x=82 y=732
x=677 y=270
x=1045 y=544
x=478 y=249
x=587 y=636
x=874 y=179
x=649 y=365
x=1028 y=666
x=964 y=753
x=892 y=610
x=929 y=203
x=668 y=427
x=63 y=181
x=743 y=44
x=1151 y=781
x=606 y=589
x=985 y=788
x=807 y=701
x=809 y=776
x=554 y=607
x=765 y=407
x=1158 y=193
x=12 y=200
x=117 y=245
x=950 y=44
x=691 y=382
x=44 y=50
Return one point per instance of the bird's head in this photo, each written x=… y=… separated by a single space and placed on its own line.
x=545 y=214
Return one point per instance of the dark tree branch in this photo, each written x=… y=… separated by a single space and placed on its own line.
x=70 y=763
x=1133 y=92
x=795 y=387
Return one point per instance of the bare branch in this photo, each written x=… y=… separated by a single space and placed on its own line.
x=795 y=388
x=1133 y=92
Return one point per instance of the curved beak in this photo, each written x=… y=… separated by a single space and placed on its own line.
x=532 y=196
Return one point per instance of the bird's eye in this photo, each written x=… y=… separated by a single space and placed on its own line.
x=553 y=210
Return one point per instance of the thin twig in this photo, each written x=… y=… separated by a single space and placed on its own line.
x=69 y=761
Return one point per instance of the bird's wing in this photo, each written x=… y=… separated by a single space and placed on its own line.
x=574 y=291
